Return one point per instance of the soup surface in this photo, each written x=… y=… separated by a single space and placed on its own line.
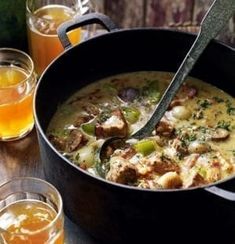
x=192 y=145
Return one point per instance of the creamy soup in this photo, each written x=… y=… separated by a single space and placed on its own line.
x=192 y=145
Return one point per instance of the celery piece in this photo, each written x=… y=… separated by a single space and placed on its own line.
x=145 y=147
x=89 y=128
x=131 y=114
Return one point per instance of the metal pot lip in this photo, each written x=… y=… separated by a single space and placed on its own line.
x=99 y=179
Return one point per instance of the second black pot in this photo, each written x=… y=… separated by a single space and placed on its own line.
x=120 y=214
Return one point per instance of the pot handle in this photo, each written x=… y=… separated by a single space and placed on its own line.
x=86 y=19
x=227 y=195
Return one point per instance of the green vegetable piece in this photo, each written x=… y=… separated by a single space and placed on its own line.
x=202 y=171
x=89 y=128
x=145 y=147
x=151 y=91
x=131 y=114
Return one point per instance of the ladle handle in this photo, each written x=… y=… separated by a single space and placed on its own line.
x=216 y=17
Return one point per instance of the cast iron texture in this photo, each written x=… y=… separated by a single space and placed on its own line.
x=119 y=214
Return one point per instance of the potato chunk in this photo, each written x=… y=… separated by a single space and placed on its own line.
x=170 y=180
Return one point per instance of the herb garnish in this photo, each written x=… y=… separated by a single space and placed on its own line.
x=218 y=99
x=204 y=103
x=230 y=108
x=224 y=125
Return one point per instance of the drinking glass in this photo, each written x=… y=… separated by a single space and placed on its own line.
x=43 y=18
x=30 y=212
x=17 y=83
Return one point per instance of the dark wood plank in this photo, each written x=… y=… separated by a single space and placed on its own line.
x=22 y=158
x=169 y=13
x=125 y=13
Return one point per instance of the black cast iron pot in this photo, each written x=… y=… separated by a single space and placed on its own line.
x=117 y=213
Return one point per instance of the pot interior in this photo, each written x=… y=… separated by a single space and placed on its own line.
x=127 y=51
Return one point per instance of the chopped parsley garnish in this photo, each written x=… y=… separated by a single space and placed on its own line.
x=223 y=124
x=218 y=99
x=186 y=137
x=233 y=152
x=104 y=115
x=151 y=91
x=204 y=103
x=230 y=108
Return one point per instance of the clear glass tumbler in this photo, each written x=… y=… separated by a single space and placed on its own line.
x=17 y=83
x=43 y=18
x=31 y=211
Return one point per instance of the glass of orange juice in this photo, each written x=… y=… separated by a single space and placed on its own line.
x=43 y=19
x=31 y=211
x=17 y=83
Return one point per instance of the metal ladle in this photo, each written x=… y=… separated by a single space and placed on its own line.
x=215 y=19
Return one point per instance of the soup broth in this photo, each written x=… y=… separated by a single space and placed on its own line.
x=192 y=145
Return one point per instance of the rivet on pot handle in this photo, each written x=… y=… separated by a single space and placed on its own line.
x=227 y=195
x=86 y=19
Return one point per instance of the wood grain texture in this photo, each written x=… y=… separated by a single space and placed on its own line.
x=169 y=13
x=22 y=158
x=184 y=15
x=125 y=13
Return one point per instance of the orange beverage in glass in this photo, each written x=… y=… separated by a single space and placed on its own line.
x=43 y=19
x=35 y=217
x=17 y=83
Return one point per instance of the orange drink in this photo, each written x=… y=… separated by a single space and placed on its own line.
x=36 y=217
x=17 y=82
x=42 y=23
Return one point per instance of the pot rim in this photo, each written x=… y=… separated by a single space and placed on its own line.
x=97 y=178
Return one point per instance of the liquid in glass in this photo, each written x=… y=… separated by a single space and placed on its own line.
x=27 y=221
x=44 y=44
x=16 y=95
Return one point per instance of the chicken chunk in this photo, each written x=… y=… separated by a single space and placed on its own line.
x=161 y=165
x=122 y=171
x=164 y=128
x=116 y=125
x=75 y=140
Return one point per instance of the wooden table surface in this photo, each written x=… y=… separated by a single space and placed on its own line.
x=22 y=158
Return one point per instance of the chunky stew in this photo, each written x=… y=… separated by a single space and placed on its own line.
x=193 y=145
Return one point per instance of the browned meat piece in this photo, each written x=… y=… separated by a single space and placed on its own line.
x=91 y=109
x=128 y=153
x=177 y=102
x=179 y=146
x=75 y=140
x=122 y=171
x=164 y=128
x=82 y=119
x=162 y=165
x=220 y=134
x=116 y=125
x=58 y=142
x=190 y=91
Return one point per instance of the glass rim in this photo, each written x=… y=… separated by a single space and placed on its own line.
x=31 y=70
x=30 y=11
x=50 y=224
